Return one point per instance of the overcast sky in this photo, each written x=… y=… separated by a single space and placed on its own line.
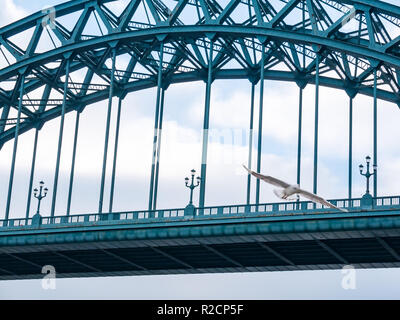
x=181 y=151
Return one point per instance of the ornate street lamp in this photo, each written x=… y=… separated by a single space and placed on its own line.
x=192 y=186
x=367 y=174
x=367 y=201
x=40 y=194
x=190 y=209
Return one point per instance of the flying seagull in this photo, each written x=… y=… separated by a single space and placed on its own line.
x=289 y=190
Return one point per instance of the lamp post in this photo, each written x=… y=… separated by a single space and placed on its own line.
x=367 y=200
x=190 y=209
x=40 y=194
x=192 y=186
x=368 y=174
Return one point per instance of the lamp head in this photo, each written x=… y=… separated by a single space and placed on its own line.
x=368 y=158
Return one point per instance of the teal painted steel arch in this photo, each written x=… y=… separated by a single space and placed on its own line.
x=236 y=41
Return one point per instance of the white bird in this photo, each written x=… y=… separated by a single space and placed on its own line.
x=289 y=190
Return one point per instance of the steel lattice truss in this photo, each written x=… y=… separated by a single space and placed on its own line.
x=351 y=39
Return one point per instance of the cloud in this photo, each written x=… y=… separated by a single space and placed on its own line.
x=10 y=12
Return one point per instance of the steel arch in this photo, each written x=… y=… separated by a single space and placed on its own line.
x=288 y=40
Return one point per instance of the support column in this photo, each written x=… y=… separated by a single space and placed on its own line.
x=260 y=123
x=299 y=136
x=250 y=141
x=115 y=155
x=156 y=127
x=315 y=184
x=60 y=140
x=350 y=147
x=206 y=128
x=72 y=173
x=107 y=135
x=35 y=143
x=160 y=125
x=15 y=148
x=375 y=163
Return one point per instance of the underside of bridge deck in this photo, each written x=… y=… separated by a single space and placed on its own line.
x=210 y=258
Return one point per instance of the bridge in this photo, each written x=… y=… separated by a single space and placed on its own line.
x=84 y=52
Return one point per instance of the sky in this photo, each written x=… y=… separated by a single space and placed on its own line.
x=181 y=151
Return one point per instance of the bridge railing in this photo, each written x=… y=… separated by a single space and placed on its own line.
x=272 y=209
x=387 y=201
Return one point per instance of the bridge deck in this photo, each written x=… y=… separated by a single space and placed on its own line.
x=268 y=237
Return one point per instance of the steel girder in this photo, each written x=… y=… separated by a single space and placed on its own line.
x=352 y=39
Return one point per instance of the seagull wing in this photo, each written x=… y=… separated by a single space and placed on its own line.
x=314 y=198
x=268 y=179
